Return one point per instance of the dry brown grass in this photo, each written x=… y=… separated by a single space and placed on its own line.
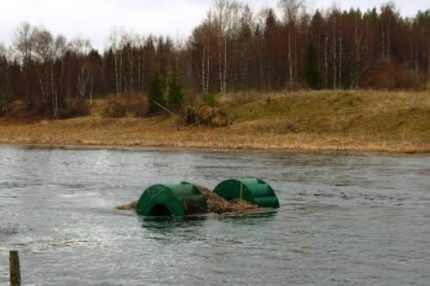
x=324 y=120
x=128 y=207
x=218 y=205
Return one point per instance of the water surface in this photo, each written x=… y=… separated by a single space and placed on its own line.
x=346 y=219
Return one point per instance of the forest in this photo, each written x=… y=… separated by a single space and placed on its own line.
x=233 y=49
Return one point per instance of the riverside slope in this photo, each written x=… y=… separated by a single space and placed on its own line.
x=306 y=120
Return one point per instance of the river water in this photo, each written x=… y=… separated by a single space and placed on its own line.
x=346 y=219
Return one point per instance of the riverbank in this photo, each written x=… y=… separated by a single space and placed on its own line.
x=356 y=120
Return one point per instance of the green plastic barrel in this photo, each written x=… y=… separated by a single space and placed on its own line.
x=172 y=200
x=255 y=191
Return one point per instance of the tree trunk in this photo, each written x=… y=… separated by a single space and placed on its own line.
x=262 y=81
x=91 y=89
x=69 y=89
x=388 y=53
x=357 y=56
x=121 y=76
x=290 y=63
x=7 y=91
x=54 y=94
x=131 y=69
x=220 y=61
x=340 y=76
x=143 y=71
x=383 y=43
x=295 y=60
x=334 y=56
x=224 y=81
x=326 y=60
x=208 y=56
x=116 y=73
x=203 y=71
x=29 y=95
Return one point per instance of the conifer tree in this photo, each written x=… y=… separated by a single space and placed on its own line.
x=155 y=95
x=174 y=92
x=312 y=74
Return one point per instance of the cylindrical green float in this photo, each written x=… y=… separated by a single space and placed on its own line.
x=172 y=200
x=252 y=190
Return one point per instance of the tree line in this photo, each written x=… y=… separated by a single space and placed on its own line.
x=233 y=49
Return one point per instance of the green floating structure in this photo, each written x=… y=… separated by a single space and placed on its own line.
x=172 y=200
x=253 y=190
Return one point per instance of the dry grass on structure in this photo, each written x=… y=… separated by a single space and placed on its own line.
x=128 y=207
x=218 y=205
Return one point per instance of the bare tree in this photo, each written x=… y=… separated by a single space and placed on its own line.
x=43 y=51
x=222 y=15
x=23 y=45
x=209 y=51
x=326 y=43
x=114 y=45
x=82 y=47
x=292 y=10
x=334 y=52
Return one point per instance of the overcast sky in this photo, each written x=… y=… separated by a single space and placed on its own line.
x=95 y=19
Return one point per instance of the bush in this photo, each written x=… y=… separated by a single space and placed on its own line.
x=136 y=105
x=209 y=99
x=114 y=109
x=4 y=108
x=390 y=75
x=139 y=109
x=78 y=109
x=204 y=115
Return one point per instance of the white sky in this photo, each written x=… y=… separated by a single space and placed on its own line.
x=95 y=19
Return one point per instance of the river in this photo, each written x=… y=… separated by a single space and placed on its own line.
x=345 y=219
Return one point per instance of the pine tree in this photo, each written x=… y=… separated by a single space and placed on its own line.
x=174 y=92
x=155 y=95
x=312 y=74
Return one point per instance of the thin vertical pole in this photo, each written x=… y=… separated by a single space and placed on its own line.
x=15 y=271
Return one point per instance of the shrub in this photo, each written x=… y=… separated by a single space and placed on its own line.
x=390 y=75
x=114 y=109
x=204 y=115
x=137 y=105
x=4 y=107
x=209 y=99
x=78 y=109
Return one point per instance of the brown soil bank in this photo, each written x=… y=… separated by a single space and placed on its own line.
x=324 y=120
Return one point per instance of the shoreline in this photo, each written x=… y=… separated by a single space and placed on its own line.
x=314 y=121
x=171 y=148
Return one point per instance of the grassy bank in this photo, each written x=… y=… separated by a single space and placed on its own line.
x=323 y=120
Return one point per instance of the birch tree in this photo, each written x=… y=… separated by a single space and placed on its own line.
x=23 y=45
x=291 y=10
x=114 y=45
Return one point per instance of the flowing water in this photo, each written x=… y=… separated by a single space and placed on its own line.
x=346 y=219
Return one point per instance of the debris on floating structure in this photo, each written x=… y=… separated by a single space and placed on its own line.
x=128 y=207
x=217 y=204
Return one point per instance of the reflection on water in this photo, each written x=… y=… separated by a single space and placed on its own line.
x=346 y=219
